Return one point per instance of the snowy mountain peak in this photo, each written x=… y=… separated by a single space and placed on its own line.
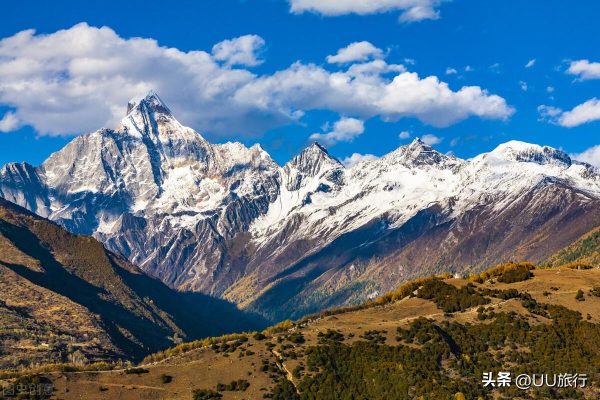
x=17 y=169
x=227 y=220
x=148 y=117
x=315 y=150
x=151 y=101
x=417 y=142
x=526 y=152
x=418 y=146
x=312 y=164
x=316 y=146
x=149 y=112
x=313 y=160
x=418 y=154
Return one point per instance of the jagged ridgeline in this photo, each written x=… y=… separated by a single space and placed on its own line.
x=66 y=299
x=431 y=338
x=227 y=221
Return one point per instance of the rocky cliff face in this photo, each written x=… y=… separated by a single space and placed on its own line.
x=227 y=220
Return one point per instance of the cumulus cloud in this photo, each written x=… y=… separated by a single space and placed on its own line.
x=410 y=10
x=357 y=158
x=590 y=156
x=579 y=115
x=584 y=69
x=451 y=71
x=9 y=122
x=530 y=63
x=368 y=95
x=404 y=135
x=80 y=79
x=344 y=130
x=431 y=139
x=582 y=114
x=239 y=51
x=357 y=51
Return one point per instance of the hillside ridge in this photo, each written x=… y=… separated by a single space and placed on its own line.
x=432 y=338
x=66 y=297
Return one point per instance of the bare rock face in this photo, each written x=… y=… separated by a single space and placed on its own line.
x=152 y=190
x=226 y=220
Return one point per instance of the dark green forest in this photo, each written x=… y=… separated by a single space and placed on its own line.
x=446 y=360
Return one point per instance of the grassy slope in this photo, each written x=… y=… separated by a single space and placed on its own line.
x=204 y=367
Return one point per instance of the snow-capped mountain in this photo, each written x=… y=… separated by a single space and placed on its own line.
x=226 y=220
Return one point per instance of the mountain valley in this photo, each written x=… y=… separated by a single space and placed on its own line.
x=432 y=338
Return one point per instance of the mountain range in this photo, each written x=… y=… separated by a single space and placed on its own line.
x=227 y=221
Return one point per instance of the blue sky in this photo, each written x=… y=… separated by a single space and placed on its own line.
x=483 y=44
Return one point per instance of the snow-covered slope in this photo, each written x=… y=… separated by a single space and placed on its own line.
x=412 y=178
x=226 y=220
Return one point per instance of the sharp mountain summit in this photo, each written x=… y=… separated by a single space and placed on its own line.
x=227 y=221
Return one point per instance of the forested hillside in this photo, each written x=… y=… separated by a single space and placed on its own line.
x=432 y=338
x=585 y=251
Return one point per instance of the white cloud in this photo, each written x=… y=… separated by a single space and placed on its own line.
x=79 y=79
x=579 y=115
x=454 y=142
x=344 y=130
x=357 y=51
x=523 y=86
x=468 y=68
x=584 y=69
x=550 y=89
x=451 y=71
x=411 y=10
x=549 y=113
x=404 y=135
x=582 y=114
x=356 y=158
x=431 y=140
x=590 y=156
x=409 y=61
x=530 y=63
x=373 y=68
x=429 y=100
x=9 y=122
x=420 y=13
x=495 y=68
x=239 y=51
